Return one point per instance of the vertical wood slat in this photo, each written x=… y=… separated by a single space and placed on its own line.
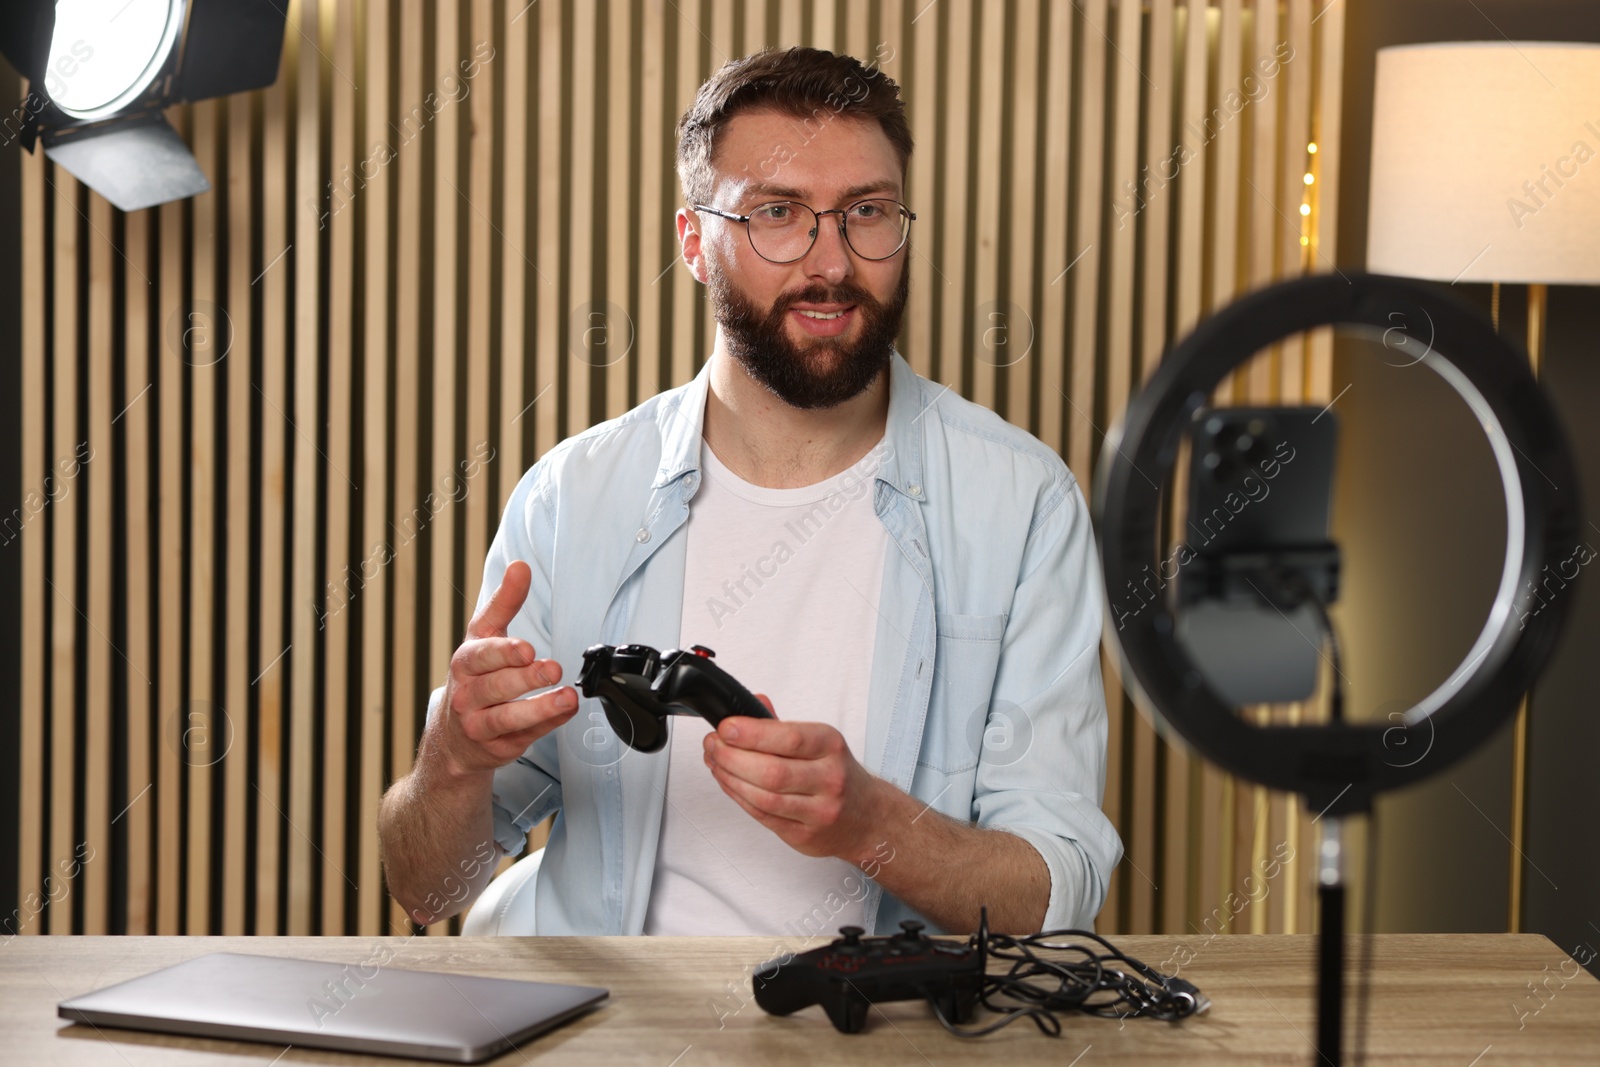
x=1229 y=137
x=654 y=224
x=202 y=718
x=954 y=205
x=304 y=425
x=686 y=291
x=1026 y=155
x=1190 y=269
x=1157 y=854
x=62 y=573
x=789 y=14
x=375 y=541
x=580 y=252
x=886 y=56
x=466 y=479
x=171 y=712
x=1262 y=182
x=236 y=331
x=32 y=803
x=1089 y=145
x=1296 y=126
x=548 y=357
x=1206 y=880
x=1060 y=258
x=824 y=26
x=408 y=630
x=483 y=242
x=619 y=211
x=920 y=57
x=723 y=48
x=1261 y=374
x=135 y=418
x=517 y=304
x=1327 y=128
x=1119 y=258
x=1297 y=101
x=485 y=239
x=1086 y=225
x=445 y=134
x=1239 y=798
x=993 y=328
x=855 y=29
x=1150 y=202
x=1119 y=253
x=342 y=575
x=98 y=740
x=271 y=667
x=1150 y=836
x=755 y=28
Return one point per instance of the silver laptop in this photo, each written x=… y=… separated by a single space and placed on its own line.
x=351 y=1007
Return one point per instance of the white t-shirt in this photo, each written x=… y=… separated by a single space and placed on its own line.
x=783 y=585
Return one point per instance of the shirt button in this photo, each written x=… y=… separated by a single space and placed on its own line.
x=690 y=481
x=642 y=536
x=914 y=490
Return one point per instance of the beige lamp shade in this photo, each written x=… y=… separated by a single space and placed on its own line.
x=1486 y=162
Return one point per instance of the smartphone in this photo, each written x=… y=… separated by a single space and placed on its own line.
x=1256 y=552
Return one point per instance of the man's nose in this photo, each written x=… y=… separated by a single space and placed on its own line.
x=830 y=258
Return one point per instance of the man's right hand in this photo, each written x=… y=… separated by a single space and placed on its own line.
x=480 y=725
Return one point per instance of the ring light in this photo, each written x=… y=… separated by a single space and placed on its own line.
x=1340 y=766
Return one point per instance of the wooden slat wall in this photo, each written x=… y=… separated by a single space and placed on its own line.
x=442 y=242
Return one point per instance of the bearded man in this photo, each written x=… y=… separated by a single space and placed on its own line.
x=905 y=579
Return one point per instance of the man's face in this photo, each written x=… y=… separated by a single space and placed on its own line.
x=820 y=330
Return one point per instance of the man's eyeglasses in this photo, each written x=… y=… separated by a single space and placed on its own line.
x=783 y=231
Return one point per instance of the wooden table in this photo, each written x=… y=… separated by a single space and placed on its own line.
x=1458 y=1000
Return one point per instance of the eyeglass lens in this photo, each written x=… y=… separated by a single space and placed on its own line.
x=784 y=231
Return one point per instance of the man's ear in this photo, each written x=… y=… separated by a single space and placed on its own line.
x=689 y=244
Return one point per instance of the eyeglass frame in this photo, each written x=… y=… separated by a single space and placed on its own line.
x=844 y=233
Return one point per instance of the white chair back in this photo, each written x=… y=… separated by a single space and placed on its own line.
x=506 y=906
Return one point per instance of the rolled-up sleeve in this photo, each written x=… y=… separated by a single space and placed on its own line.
x=528 y=789
x=1049 y=695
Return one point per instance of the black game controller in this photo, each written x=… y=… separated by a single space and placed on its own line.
x=855 y=972
x=639 y=687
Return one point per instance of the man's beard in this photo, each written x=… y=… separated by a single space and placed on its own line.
x=822 y=372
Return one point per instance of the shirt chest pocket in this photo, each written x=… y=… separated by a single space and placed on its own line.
x=965 y=657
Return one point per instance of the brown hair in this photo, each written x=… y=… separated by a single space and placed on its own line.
x=807 y=83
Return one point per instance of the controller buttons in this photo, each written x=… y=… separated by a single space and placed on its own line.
x=912 y=929
x=702 y=650
x=852 y=938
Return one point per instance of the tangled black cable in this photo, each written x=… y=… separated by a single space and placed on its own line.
x=1137 y=989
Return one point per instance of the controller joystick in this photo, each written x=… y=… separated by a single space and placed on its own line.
x=639 y=687
x=854 y=972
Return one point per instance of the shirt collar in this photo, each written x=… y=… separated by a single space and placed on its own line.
x=681 y=417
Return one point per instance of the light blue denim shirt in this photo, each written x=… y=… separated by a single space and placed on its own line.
x=985 y=699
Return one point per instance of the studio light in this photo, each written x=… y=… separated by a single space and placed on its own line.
x=125 y=54
x=101 y=73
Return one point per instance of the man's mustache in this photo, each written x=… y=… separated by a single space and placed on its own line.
x=822 y=294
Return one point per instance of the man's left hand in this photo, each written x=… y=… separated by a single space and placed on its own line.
x=799 y=780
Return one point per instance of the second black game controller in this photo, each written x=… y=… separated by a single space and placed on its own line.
x=855 y=972
x=639 y=687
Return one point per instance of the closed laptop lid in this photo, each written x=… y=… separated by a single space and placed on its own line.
x=352 y=1007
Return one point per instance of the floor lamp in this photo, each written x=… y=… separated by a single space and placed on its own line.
x=1486 y=168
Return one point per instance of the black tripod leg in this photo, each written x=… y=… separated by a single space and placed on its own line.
x=1330 y=973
